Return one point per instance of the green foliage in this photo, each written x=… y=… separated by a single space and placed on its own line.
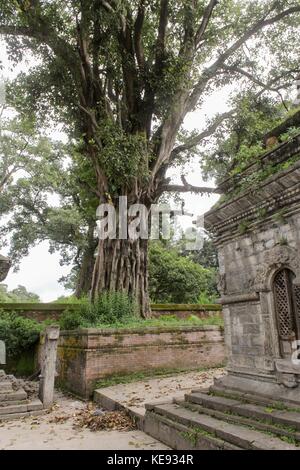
x=206 y=257
x=73 y=319
x=43 y=194
x=253 y=180
x=109 y=308
x=71 y=299
x=177 y=279
x=20 y=294
x=290 y=133
x=123 y=157
x=18 y=333
x=240 y=140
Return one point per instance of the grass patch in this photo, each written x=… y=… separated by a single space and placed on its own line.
x=193 y=435
x=165 y=321
x=73 y=320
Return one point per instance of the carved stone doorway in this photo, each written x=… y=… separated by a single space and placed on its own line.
x=287 y=307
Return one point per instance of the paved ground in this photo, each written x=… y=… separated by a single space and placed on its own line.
x=134 y=395
x=57 y=429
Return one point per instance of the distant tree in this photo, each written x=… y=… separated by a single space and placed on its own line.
x=42 y=197
x=20 y=294
x=175 y=278
x=206 y=257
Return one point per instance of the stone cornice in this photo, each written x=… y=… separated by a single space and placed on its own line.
x=280 y=154
x=257 y=205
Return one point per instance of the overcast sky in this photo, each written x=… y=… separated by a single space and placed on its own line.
x=39 y=271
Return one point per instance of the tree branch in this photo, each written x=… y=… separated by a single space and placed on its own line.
x=162 y=30
x=138 y=27
x=205 y=21
x=211 y=70
x=186 y=187
x=245 y=73
x=195 y=140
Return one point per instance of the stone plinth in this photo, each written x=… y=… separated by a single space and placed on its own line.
x=87 y=355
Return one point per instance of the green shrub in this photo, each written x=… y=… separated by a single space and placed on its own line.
x=18 y=333
x=113 y=307
x=71 y=320
x=110 y=308
x=177 y=279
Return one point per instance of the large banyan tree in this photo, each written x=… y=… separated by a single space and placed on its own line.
x=122 y=75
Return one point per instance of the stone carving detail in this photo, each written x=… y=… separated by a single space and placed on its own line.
x=288 y=380
x=4 y=267
x=222 y=284
x=277 y=258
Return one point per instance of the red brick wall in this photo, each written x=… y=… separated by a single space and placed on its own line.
x=88 y=355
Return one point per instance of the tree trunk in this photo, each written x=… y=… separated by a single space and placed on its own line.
x=85 y=274
x=122 y=265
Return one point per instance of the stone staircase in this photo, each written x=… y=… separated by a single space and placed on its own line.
x=224 y=420
x=14 y=402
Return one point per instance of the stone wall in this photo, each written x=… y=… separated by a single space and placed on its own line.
x=88 y=355
x=257 y=232
x=42 y=312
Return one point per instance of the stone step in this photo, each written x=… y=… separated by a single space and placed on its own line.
x=178 y=436
x=248 y=410
x=14 y=395
x=288 y=433
x=28 y=414
x=6 y=386
x=13 y=402
x=203 y=424
x=13 y=409
x=20 y=408
x=255 y=399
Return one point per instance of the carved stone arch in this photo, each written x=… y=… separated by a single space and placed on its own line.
x=275 y=259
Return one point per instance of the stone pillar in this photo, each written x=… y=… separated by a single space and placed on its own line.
x=2 y=353
x=48 y=368
x=4 y=268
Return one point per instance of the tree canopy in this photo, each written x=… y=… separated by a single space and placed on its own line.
x=123 y=75
x=19 y=294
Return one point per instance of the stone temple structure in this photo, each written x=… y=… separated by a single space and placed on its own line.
x=257 y=232
x=256 y=228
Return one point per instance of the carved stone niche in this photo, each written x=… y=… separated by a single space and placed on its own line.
x=279 y=257
x=4 y=267
x=276 y=259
